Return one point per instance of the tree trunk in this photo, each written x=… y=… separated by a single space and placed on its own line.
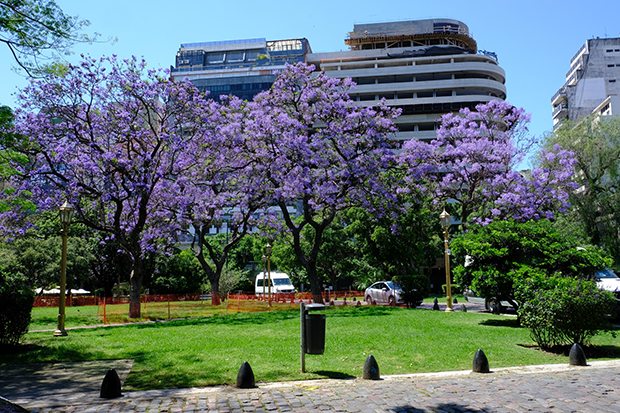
x=315 y=285
x=214 y=278
x=135 y=283
x=215 y=292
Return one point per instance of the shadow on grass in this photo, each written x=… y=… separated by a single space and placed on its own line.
x=591 y=351
x=36 y=353
x=367 y=310
x=503 y=322
x=334 y=375
x=231 y=319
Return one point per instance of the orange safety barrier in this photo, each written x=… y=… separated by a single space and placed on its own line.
x=76 y=301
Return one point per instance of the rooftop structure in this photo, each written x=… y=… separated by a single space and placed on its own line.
x=239 y=67
x=425 y=67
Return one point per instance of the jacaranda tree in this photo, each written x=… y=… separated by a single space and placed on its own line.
x=473 y=161
x=320 y=152
x=219 y=188
x=109 y=136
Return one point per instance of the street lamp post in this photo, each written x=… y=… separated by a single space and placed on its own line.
x=268 y=249
x=66 y=210
x=445 y=223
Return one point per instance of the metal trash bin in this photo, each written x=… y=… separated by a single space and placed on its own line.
x=315 y=333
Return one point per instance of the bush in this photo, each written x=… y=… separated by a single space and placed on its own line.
x=562 y=310
x=17 y=298
x=415 y=288
x=492 y=256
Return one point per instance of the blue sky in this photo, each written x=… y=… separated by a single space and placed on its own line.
x=534 y=40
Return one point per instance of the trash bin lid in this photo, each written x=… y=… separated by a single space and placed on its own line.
x=315 y=307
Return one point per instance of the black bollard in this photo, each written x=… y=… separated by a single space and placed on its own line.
x=480 y=364
x=371 y=369
x=245 y=377
x=435 y=304
x=463 y=308
x=577 y=357
x=111 y=386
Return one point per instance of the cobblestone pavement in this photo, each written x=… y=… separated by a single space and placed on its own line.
x=557 y=388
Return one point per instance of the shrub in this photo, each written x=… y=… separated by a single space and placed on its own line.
x=562 y=310
x=415 y=288
x=17 y=298
x=495 y=254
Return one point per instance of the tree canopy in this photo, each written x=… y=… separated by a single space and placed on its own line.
x=473 y=162
x=320 y=152
x=36 y=31
x=108 y=136
x=596 y=201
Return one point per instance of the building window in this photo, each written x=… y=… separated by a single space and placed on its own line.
x=425 y=127
x=215 y=58
x=610 y=65
x=251 y=55
x=612 y=80
x=234 y=56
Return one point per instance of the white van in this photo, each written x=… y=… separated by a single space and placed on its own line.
x=280 y=283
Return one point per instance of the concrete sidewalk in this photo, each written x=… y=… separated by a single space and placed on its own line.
x=74 y=387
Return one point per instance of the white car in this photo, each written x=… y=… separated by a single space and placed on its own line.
x=383 y=292
x=608 y=280
x=489 y=303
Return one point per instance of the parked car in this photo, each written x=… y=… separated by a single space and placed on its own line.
x=608 y=280
x=385 y=292
x=489 y=303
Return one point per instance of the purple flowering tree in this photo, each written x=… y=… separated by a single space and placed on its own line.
x=473 y=161
x=109 y=136
x=219 y=187
x=319 y=152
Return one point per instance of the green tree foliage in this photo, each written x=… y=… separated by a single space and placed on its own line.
x=596 y=146
x=36 y=31
x=177 y=274
x=366 y=248
x=562 y=310
x=393 y=245
x=497 y=253
x=38 y=260
x=17 y=297
x=415 y=288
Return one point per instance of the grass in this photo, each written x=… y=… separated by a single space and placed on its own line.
x=46 y=318
x=209 y=350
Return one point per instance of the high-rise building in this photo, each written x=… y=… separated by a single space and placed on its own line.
x=592 y=83
x=425 y=67
x=242 y=68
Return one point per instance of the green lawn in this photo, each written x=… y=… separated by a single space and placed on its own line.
x=209 y=350
x=46 y=318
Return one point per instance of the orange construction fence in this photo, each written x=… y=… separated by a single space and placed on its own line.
x=76 y=301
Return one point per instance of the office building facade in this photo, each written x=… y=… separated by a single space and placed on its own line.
x=425 y=67
x=592 y=83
